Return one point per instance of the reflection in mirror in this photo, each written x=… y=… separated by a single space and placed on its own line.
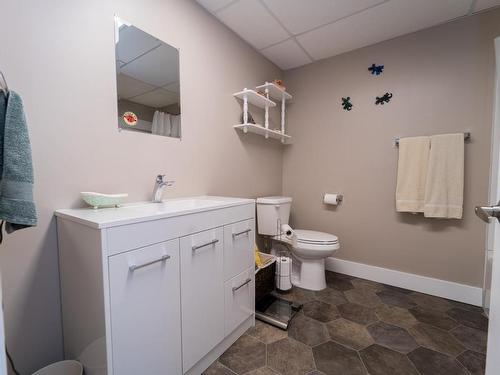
x=147 y=74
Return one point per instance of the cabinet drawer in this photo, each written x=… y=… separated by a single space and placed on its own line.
x=239 y=242
x=202 y=287
x=239 y=299
x=145 y=310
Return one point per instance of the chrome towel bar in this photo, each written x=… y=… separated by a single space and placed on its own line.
x=467 y=137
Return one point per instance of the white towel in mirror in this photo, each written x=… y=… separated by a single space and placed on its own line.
x=155 y=123
x=175 y=121
x=161 y=124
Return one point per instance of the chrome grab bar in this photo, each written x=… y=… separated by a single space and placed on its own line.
x=242 y=232
x=134 y=267
x=196 y=247
x=235 y=288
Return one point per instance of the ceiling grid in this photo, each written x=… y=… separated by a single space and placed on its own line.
x=292 y=33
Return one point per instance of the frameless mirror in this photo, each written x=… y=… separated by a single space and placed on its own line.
x=147 y=76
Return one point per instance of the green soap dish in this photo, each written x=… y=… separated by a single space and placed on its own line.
x=99 y=200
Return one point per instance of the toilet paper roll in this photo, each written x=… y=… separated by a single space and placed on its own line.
x=289 y=234
x=284 y=283
x=333 y=199
x=287 y=231
x=283 y=273
x=284 y=266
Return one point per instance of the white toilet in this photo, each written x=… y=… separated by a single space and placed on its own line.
x=309 y=248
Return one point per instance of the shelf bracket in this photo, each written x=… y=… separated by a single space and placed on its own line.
x=266 y=114
x=283 y=114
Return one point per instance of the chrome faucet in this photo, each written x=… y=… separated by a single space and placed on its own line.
x=160 y=184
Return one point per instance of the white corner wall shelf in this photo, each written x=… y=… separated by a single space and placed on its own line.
x=254 y=98
x=259 y=129
x=273 y=91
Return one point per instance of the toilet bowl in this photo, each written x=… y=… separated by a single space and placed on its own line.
x=309 y=248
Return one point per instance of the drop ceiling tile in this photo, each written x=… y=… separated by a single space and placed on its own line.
x=157 y=98
x=299 y=16
x=134 y=42
x=251 y=21
x=128 y=86
x=213 y=5
x=383 y=22
x=158 y=67
x=174 y=87
x=485 y=4
x=287 y=54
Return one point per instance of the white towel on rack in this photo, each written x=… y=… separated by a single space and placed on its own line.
x=444 y=188
x=412 y=173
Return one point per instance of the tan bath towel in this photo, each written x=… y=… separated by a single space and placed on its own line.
x=412 y=172
x=444 y=188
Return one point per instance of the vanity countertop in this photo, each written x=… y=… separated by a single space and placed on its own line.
x=145 y=211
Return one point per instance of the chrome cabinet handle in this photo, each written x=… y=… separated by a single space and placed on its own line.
x=196 y=247
x=242 y=232
x=485 y=213
x=235 y=288
x=134 y=267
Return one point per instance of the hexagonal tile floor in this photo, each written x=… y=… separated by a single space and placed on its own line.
x=357 y=326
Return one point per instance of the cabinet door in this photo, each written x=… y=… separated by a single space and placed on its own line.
x=239 y=299
x=202 y=287
x=145 y=310
x=238 y=247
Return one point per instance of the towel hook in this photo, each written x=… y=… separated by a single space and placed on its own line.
x=4 y=87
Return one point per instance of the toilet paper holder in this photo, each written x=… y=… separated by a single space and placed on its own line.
x=333 y=199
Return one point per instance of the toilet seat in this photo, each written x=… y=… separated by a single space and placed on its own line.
x=314 y=245
x=315 y=238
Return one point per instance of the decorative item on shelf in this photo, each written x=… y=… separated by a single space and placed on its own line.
x=130 y=118
x=376 y=70
x=98 y=200
x=279 y=82
x=250 y=119
x=386 y=98
x=346 y=103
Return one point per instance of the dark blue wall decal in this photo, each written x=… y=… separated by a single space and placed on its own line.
x=386 y=98
x=346 y=103
x=376 y=70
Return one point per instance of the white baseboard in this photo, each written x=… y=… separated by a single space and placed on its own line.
x=428 y=285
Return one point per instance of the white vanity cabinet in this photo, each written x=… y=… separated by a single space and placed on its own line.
x=202 y=289
x=159 y=288
x=144 y=288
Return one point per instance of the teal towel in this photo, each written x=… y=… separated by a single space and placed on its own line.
x=17 y=207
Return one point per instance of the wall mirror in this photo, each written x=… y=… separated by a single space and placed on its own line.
x=147 y=76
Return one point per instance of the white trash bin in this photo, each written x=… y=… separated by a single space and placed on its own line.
x=62 y=368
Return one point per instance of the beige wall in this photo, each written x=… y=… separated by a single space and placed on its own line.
x=59 y=55
x=442 y=81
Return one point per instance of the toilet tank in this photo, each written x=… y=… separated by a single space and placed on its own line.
x=271 y=212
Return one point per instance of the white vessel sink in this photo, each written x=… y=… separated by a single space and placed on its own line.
x=141 y=211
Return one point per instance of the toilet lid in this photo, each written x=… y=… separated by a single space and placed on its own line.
x=315 y=238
